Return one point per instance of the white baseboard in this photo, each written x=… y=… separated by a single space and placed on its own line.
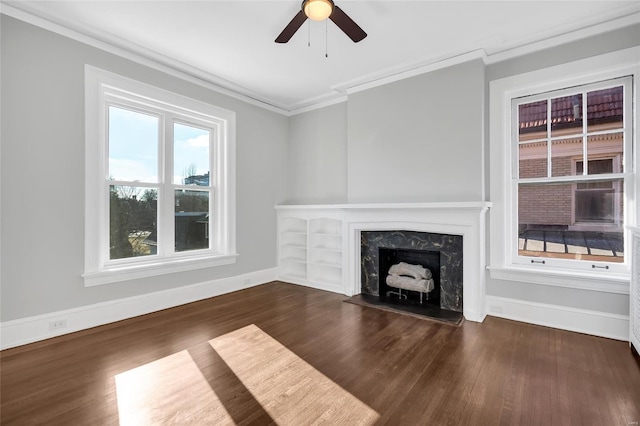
x=596 y=323
x=32 y=329
x=333 y=288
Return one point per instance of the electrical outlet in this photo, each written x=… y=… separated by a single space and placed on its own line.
x=57 y=325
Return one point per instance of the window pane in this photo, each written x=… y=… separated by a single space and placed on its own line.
x=532 y=121
x=563 y=154
x=191 y=155
x=133 y=215
x=596 y=167
x=532 y=160
x=133 y=146
x=605 y=109
x=566 y=115
x=581 y=221
x=607 y=146
x=191 y=220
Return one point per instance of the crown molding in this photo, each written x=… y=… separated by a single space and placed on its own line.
x=343 y=90
x=331 y=99
x=407 y=71
x=337 y=94
x=143 y=56
x=561 y=39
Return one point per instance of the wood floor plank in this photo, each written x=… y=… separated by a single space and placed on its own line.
x=163 y=368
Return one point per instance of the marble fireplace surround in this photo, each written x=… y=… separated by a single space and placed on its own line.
x=442 y=250
x=455 y=218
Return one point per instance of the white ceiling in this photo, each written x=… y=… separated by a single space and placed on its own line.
x=231 y=43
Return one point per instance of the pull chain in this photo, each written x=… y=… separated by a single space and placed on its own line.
x=326 y=39
x=308 y=33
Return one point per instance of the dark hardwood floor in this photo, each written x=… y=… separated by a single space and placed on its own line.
x=408 y=371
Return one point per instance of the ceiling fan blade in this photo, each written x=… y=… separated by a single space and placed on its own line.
x=291 y=28
x=347 y=25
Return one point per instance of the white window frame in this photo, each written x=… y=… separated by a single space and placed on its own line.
x=103 y=89
x=503 y=262
x=583 y=134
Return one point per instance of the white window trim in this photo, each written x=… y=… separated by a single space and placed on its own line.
x=502 y=266
x=101 y=85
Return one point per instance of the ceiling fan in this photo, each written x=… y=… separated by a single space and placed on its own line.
x=319 y=10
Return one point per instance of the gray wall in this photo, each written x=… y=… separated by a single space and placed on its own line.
x=422 y=139
x=592 y=46
x=42 y=174
x=418 y=139
x=401 y=142
x=318 y=156
x=596 y=45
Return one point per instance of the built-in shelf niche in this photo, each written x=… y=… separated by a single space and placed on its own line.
x=293 y=247
x=310 y=249
x=325 y=250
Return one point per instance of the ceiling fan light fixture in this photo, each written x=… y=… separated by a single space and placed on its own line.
x=317 y=10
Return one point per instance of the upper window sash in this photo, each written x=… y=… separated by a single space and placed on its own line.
x=627 y=84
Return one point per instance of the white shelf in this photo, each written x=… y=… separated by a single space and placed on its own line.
x=294 y=277
x=293 y=234
x=293 y=224
x=324 y=274
x=324 y=243
x=331 y=250
x=294 y=259
x=293 y=245
x=329 y=264
x=310 y=250
x=322 y=281
x=325 y=226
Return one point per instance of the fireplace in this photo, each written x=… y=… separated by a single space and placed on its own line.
x=441 y=254
x=300 y=244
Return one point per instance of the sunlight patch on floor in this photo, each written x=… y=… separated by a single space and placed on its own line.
x=171 y=390
x=288 y=388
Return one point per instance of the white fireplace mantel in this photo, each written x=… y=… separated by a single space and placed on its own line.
x=319 y=245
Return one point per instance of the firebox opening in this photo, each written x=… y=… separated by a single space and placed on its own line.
x=430 y=260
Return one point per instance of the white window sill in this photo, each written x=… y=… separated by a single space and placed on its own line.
x=586 y=280
x=161 y=267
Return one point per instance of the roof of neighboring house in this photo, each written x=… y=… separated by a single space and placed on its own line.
x=603 y=106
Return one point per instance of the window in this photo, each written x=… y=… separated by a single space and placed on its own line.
x=160 y=189
x=563 y=183
x=566 y=210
